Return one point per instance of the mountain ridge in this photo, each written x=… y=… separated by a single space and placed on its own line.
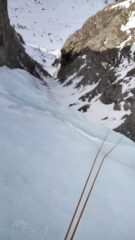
x=103 y=31
x=109 y=69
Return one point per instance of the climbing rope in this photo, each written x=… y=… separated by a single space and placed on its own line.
x=86 y=183
x=90 y=191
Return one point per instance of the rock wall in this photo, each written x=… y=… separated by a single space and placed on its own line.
x=12 y=51
x=101 y=53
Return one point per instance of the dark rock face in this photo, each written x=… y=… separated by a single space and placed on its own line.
x=12 y=51
x=101 y=68
x=128 y=127
x=99 y=61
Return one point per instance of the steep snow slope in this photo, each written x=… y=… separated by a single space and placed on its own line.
x=93 y=110
x=99 y=80
x=46 y=23
x=46 y=152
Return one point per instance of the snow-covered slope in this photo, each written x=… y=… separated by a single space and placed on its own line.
x=46 y=152
x=46 y=23
x=99 y=84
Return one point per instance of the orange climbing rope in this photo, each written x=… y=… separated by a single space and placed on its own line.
x=90 y=191
x=86 y=183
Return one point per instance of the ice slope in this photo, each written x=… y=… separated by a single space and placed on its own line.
x=46 y=151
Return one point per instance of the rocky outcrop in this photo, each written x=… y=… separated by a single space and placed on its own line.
x=101 y=55
x=103 y=31
x=12 y=51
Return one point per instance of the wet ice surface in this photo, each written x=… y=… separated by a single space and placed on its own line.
x=46 y=152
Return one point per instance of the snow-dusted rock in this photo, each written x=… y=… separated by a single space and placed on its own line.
x=102 y=54
x=107 y=29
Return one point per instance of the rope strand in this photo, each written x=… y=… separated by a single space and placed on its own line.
x=86 y=183
x=89 y=194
